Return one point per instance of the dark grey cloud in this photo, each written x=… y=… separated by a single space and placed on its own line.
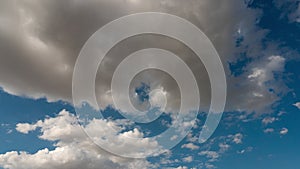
x=40 y=41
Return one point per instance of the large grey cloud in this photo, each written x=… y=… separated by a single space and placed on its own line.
x=40 y=41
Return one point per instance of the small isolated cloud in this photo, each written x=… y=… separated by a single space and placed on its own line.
x=237 y=138
x=268 y=120
x=297 y=105
x=284 y=131
x=180 y=167
x=269 y=130
x=25 y=128
x=248 y=149
x=188 y=159
x=190 y=146
x=209 y=166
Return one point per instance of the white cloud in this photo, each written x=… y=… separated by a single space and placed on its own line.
x=269 y=130
x=209 y=166
x=188 y=159
x=173 y=137
x=237 y=138
x=248 y=149
x=268 y=120
x=73 y=149
x=25 y=127
x=181 y=167
x=297 y=105
x=265 y=74
x=224 y=147
x=190 y=146
x=284 y=131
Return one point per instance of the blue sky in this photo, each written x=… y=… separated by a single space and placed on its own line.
x=261 y=56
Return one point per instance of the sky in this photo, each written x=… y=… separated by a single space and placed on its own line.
x=257 y=42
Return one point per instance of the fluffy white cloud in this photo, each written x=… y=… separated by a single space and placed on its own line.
x=190 y=146
x=73 y=149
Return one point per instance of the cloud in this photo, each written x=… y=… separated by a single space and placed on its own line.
x=188 y=159
x=181 y=167
x=237 y=138
x=296 y=15
x=190 y=146
x=224 y=147
x=212 y=155
x=269 y=130
x=261 y=85
x=73 y=149
x=297 y=105
x=248 y=149
x=268 y=120
x=40 y=42
x=284 y=131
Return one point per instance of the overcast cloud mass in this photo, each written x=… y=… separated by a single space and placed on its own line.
x=40 y=41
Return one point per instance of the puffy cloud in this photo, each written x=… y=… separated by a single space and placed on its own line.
x=188 y=159
x=73 y=149
x=284 y=131
x=40 y=41
x=297 y=105
x=190 y=146
x=25 y=127
x=268 y=120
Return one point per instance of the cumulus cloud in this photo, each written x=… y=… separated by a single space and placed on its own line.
x=40 y=41
x=73 y=149
x=190 y=146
